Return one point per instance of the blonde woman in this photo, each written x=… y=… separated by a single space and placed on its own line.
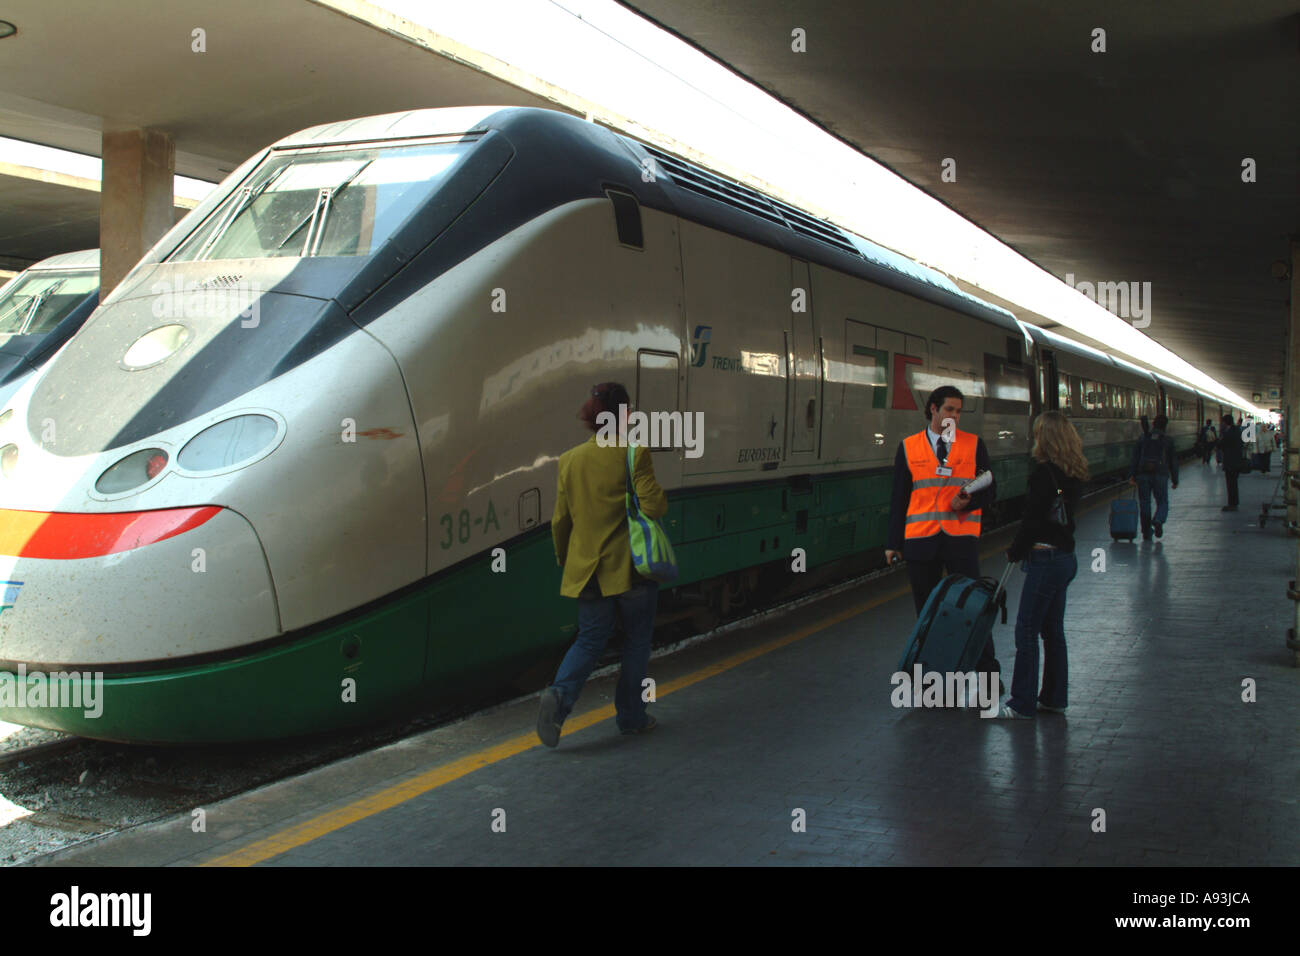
x=1045 y=545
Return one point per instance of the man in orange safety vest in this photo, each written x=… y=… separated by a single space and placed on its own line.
x=932 y=524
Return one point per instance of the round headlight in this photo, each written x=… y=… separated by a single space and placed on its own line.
x=7 y=414
x=155 y=346
x=229 y=443
x=8 y=460
x=136 y=469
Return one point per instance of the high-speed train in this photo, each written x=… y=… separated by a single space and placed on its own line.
x=40 y=309
x=297 y=470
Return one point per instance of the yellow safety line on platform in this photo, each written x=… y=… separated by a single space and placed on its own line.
x=389 y=797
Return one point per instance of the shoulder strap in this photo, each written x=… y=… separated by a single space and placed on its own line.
x=1052 y=471
x=633 y=505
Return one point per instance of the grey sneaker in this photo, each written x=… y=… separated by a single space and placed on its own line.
x=1008 y=714
x=548 y=728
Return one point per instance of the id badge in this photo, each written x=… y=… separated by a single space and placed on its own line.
x=943 y=472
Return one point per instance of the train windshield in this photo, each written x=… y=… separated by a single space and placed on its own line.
x=38 y=301
x=323 y=202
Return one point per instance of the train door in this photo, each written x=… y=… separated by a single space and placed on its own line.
x=658 y=380
x=803 y=365
x=1049 y=380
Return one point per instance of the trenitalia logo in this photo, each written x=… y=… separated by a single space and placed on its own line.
x=9 y=594
x=700 y=344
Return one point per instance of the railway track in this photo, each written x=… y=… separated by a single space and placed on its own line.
x=20 y=755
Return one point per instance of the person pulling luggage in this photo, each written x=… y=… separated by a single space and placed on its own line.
x=1045 y=546
x=1154 y=468
x=932 y=525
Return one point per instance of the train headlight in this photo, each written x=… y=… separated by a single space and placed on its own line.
x=136 y=469
x=228 y=444
x=8 y=460
x=155 y=346
x=7 y=414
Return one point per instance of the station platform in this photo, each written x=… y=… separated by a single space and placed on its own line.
x=793 y=713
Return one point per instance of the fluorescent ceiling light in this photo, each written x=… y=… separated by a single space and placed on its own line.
x=599 y=58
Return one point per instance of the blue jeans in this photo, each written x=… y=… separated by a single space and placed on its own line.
x=1157 y=485
x=1042 y=610
x=636 y=608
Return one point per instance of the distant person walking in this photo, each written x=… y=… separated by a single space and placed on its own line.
x=1230 y=443
x=1045 y=545
x=1154 y=467
x=1207 y=441
x=589 y=529
x=1264 y=446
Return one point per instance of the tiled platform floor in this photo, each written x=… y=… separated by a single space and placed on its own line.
x=1157 y=736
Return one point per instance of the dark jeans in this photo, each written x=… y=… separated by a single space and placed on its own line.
x=636 y=608
x=960 y=555
x=1042 y=611
x=1230 y=476
x=1156 y=486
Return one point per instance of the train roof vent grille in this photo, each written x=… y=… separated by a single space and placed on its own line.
x=817 y=228
x=700 y=180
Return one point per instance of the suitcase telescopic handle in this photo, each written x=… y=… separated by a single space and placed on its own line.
x=1002 y=581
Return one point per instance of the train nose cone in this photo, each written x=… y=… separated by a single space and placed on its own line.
x=131 y=587
x=164 y=365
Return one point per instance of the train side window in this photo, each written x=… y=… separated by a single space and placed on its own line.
x=1006 y=386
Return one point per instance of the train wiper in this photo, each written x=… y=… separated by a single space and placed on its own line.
x=247 y=196
x=37 y=301
x=319 y=212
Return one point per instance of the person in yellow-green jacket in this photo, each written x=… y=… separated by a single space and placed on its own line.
x=592 y=545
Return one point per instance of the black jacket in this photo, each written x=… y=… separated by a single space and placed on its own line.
x=923 y=549
x=1039 y=500
x=1230 y=443
x=1168 y=464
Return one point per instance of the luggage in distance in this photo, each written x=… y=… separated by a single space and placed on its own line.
x=1124 y=517
x=955 y=624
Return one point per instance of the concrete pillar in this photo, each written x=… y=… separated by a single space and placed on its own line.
x=1291 y=400
x=1292 y=409
x=135 y=202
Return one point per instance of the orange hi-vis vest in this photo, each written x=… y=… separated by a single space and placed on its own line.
x=929 y=510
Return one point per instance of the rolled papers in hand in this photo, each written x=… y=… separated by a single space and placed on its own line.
x=978 y=483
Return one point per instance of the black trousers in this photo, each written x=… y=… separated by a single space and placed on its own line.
x=1230 y=476
x=960 y=555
